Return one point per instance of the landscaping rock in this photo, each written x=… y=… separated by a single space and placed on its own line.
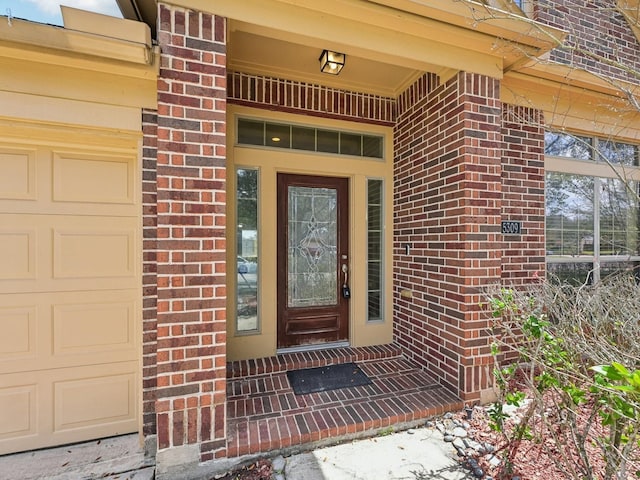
x=459 y=443
x=278 y=464
x=459 y=432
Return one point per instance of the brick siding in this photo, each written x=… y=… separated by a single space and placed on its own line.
x=600 y=38
x=191 y=169
x=523 y=256
x=308 y=99
x=149 y=267
x=447 y=194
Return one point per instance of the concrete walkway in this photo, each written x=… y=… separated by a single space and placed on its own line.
x=417 y=454
x=119 y=458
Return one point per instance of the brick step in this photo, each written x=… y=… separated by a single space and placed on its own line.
x=309 y=359
x=265 y=415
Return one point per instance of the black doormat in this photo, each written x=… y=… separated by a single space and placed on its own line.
x=310 y=380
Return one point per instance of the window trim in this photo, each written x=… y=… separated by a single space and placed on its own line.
x=597 y=169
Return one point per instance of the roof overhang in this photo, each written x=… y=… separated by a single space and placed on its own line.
x=114 y=55
x=576 y=100
x=437 y=36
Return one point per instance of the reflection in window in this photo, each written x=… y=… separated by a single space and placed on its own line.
x=374 y=250
x=573 y=273
x=567 y=145
x=617 y=153
x=618 y=217
x=247 y=250
x=569 y=215
x=591 y=225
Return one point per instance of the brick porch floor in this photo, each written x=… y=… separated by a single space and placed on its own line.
x=264 y=414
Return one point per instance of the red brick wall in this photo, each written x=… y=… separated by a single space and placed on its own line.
x=191 y=169
x=149 y=267
x=447 y=207
x=523 y=256
x=600 y=38
x=307 y=99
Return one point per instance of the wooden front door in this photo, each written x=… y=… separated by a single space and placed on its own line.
x=313 y=247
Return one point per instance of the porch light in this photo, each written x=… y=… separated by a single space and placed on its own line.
x=331 y=62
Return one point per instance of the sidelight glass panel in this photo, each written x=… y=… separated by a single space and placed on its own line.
x=374 y=250
x=247 y=250
x=312 y=247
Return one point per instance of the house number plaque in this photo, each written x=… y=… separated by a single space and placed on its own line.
x=511 y=227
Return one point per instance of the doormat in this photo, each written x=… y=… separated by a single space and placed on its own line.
x=332 y=377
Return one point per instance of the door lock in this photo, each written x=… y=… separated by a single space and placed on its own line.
x=346 y=291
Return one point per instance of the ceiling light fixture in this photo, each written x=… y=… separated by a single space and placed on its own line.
x=331 y=62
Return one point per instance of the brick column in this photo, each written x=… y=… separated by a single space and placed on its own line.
x=447 y=207
x=190 y=404
x=523 y=257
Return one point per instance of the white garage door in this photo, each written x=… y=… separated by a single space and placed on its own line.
x=69 y=293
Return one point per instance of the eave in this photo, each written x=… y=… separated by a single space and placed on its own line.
x=576 y=100
x=439 y=36
x=69 y=46
x=114 y=65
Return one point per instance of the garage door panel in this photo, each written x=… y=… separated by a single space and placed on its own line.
x=18 y=411
x=95 y=400
x=94 y=253
x=90 y=181
x=52 y=395
x=18 y=339
x=66 y=329
x=17 y=253
x=91 y=328
x=83 y=177
x=62 y=252
x=17 y=173
x=70 y=288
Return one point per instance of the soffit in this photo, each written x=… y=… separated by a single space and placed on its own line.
x=259 y=54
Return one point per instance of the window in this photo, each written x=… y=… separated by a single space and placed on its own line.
x=297 y=137
x=247 y=250
x=375 y=255
x=592 y=224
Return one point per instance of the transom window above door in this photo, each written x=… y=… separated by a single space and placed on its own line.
x=300 y=137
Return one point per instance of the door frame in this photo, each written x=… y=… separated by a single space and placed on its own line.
x=262 y=342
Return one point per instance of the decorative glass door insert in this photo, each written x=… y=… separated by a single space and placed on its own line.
x=312 y=246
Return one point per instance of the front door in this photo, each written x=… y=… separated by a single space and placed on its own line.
x=313 y=246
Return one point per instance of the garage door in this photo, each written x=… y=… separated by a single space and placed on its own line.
x=69 y=293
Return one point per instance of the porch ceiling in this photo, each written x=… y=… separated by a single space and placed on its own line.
x=258 y=54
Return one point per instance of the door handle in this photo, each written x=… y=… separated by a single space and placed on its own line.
x=346 y=291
